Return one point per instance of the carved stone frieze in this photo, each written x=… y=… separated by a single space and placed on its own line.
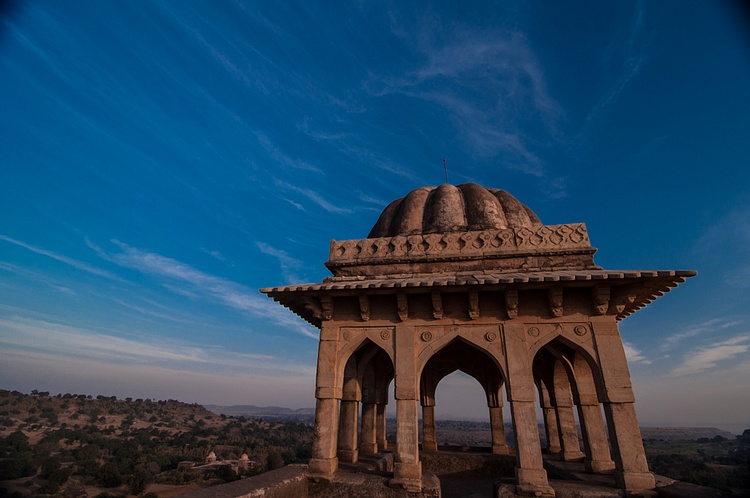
x=472 y=243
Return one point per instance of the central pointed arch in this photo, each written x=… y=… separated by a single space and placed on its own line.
x=462 y=355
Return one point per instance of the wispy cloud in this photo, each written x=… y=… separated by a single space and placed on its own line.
x=370 y=158
x=313 y=196
x=709 y=357
x=728 y=236
x=275 y=153
x=289 y=265
x=62 y=259
x=706 y=328
x=42 y=337
x=634 y=355
x=201 y=285
x=628 y=64
x=493 y=87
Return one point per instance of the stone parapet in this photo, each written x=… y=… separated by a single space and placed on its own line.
x=537 y=245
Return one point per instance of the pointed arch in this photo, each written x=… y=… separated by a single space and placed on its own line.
x=568 y=338
x=446 y=341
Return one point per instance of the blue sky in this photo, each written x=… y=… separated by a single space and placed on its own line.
x=162 y=161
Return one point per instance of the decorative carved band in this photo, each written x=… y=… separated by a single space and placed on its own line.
x=547 y=238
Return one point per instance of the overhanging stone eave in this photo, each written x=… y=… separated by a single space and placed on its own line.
x=656 y=283
x=483 y=278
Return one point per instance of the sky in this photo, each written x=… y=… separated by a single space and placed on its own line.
x=162 y=161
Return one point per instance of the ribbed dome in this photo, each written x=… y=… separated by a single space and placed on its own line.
x=450 y=208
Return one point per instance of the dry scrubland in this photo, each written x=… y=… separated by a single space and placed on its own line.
x=79 y=445
x=71 y=444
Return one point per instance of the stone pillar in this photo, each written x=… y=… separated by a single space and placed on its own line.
x=407 y=469
x=550 y=421
x=327 y=393
x=429 y=442
x=380 y=427
x=497 y=424
x=349 y=414
x=631 y=468
x=531 y=478
x=597 y=458
x=369 y=444
x=596 y=446
x=347 y=450
x=324 y=460
x=566 y=421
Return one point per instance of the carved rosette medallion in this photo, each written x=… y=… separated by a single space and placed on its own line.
x=347 y=335
x=580 y=330
x=490 y=336
x=426 y=336
x=385 y=334
x=533 y=331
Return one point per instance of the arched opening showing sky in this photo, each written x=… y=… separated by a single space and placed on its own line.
x=162 y=161
x=460 y=396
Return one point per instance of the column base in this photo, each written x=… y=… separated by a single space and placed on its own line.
x=407 y=476
x=348 y=456
x=572 y=456
x=500 y=449
x=599 y=466
x=323 y=466
x=429 y=446
x=533 y=482
x=368 y=448
x=634 y=481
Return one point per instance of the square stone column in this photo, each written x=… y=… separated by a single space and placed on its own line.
x=324 y=461
x=631 y=467
x=566 y=422
x=407 y=469
x=551 y=430
x=369 y=444
x=497 y=426
x=530 y=474
x=597 y=458
x=348 y=424
x=380 y=428
x=429 y=443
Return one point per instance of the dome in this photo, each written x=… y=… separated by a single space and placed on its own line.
x=450 y=208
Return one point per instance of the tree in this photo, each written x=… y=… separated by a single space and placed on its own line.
x=274 y=461
x=109 y=475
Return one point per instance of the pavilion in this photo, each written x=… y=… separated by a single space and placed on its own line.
x=467 y=278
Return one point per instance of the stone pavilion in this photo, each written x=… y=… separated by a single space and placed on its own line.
x=467 y=278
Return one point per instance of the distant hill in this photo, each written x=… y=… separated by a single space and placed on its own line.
x=260 y=411
x=683 y=433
